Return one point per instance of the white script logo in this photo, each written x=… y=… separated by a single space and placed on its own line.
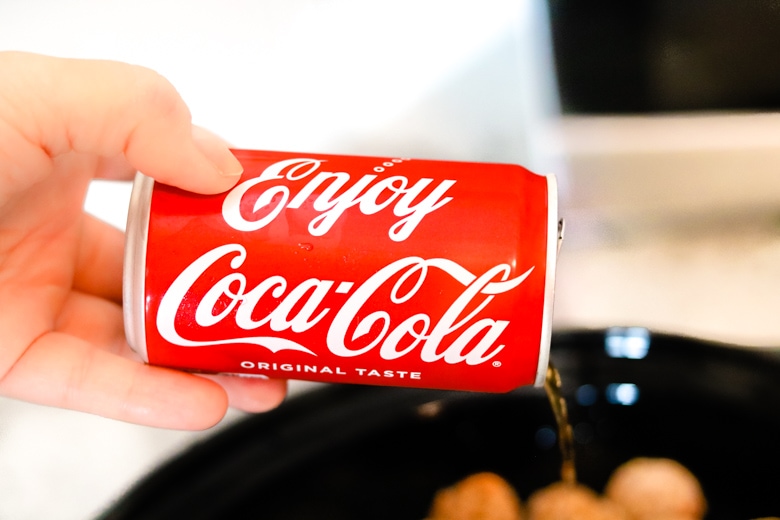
x=369 y=193
x=302 y=307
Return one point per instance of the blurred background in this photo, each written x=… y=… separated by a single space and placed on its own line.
x=658 y=118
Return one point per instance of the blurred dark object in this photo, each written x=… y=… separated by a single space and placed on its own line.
x=640 y=56
x=351 y=452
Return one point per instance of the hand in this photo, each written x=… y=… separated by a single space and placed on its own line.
x=62 y=123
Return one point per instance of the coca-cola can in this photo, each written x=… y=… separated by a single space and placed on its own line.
x=348 y=269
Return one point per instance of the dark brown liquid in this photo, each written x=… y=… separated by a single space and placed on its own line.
x=552 y=385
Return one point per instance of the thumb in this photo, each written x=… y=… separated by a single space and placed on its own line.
x=115 y=109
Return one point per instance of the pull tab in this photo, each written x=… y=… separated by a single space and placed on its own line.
x=561 y=226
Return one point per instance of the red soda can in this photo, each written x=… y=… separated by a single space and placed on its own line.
x=348 y=269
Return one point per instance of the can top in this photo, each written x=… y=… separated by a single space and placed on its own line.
x=134 y=274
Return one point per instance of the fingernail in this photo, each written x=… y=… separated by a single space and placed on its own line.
x=217 y=152
x=226 y=163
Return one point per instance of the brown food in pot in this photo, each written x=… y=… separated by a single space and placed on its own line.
x=654 y=488
x=482 y=496
x=641 y=489
x=565 y=501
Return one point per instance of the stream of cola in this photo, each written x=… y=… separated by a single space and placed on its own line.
x=552 y=386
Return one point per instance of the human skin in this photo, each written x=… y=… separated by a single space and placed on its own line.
x=64 y=122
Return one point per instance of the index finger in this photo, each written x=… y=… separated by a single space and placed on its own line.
x=114 y=109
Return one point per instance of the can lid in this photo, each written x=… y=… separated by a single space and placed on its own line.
x=554 y=237
x=135 y=264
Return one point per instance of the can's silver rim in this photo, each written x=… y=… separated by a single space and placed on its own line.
x=134 y=275
x=553 y=239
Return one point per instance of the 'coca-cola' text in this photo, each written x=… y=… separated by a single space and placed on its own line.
x=301 y=307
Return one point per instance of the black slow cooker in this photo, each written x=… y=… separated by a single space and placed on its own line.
x=354 y=452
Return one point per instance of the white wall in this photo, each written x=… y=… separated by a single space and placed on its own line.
x=435 y=78
x=447 y=79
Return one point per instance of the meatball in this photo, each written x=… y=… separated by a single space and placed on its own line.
x=566 y=501
x=652 y=488
x=481 y=496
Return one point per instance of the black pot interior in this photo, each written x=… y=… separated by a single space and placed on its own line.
x=354 y=452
